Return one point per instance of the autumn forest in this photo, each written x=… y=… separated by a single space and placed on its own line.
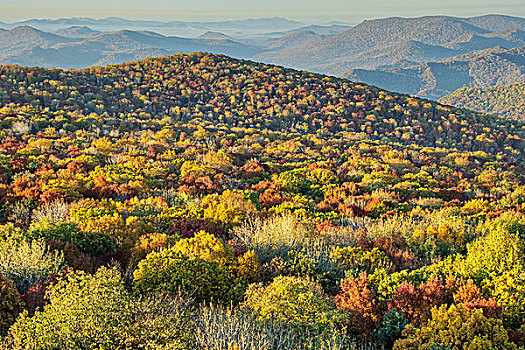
x=197 y=201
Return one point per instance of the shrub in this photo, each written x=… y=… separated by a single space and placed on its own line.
x=357 y=259
x=25 y=262
x=232 y=328
x=273 y=237
x=466 y=292
x=9 y=230
x=161 y=323
x=294 y=181
x=433 y=244
x=218 y=327
x=443 y=232
x=296 y=301
x=228 y=209
x=91 y=243
x=169 y=271
x=508 y=290
x=509 y=222
x=207 y=247
x=188 y=228
x=151 y=242
x=501 y=247
x=10 y=305
x=248 y=266
x=210 y=248
x=475 y=207
x=391 y=328
x=97 y=312
x=83 y=311
x=359 y=300
x=517 y=197
x=416 y=302
x=54 y=211
x=457 y=328
x=313 y=264
x=35 y=298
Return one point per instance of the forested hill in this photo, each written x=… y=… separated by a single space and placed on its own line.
x=479 y=69
x=219 y=92
x=232 y=194
x=504 y=101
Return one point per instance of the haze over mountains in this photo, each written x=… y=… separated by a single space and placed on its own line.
x=251 y=26
x=31 y=47
x=402 y=41
x=332 y=49
x=84 y=42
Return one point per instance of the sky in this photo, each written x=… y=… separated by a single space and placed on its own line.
x=308 y=11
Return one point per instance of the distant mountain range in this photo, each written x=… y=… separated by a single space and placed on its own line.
x=330 y=49
x=250 y=26
x=82 y=42
x=503 y=101
x=31 y=47
x=433 y=80
x=401 y=41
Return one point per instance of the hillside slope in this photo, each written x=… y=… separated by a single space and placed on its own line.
x=337 y=54
x=203 y=202
x=485 y=68
x=504 y=101
x=236 y=93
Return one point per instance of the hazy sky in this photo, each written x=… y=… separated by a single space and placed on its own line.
x=302 y=10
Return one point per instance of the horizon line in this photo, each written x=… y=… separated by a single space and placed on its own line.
x=247 y=18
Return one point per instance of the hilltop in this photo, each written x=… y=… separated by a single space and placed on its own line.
x=77 y=32
x=234 y=93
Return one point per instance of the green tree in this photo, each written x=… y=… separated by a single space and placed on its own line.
x=171 y=272
x=294 y=300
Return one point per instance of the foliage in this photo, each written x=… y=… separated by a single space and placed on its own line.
x=26 y=262
x=273 y=237
x=417 y=302
x=87 y=311
x=508 y=290
x=456 y=327
x=207 y=247
x=219 y=327
x=352 y=210
x=355 y=258
x=358 y=298
x=171 y=272
x=10 y=305
x=152 y=242
x=503 y=101
x=91 y=243
x=500 y=248
x=293 y=300
x=391 y=327
x=83 y=311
